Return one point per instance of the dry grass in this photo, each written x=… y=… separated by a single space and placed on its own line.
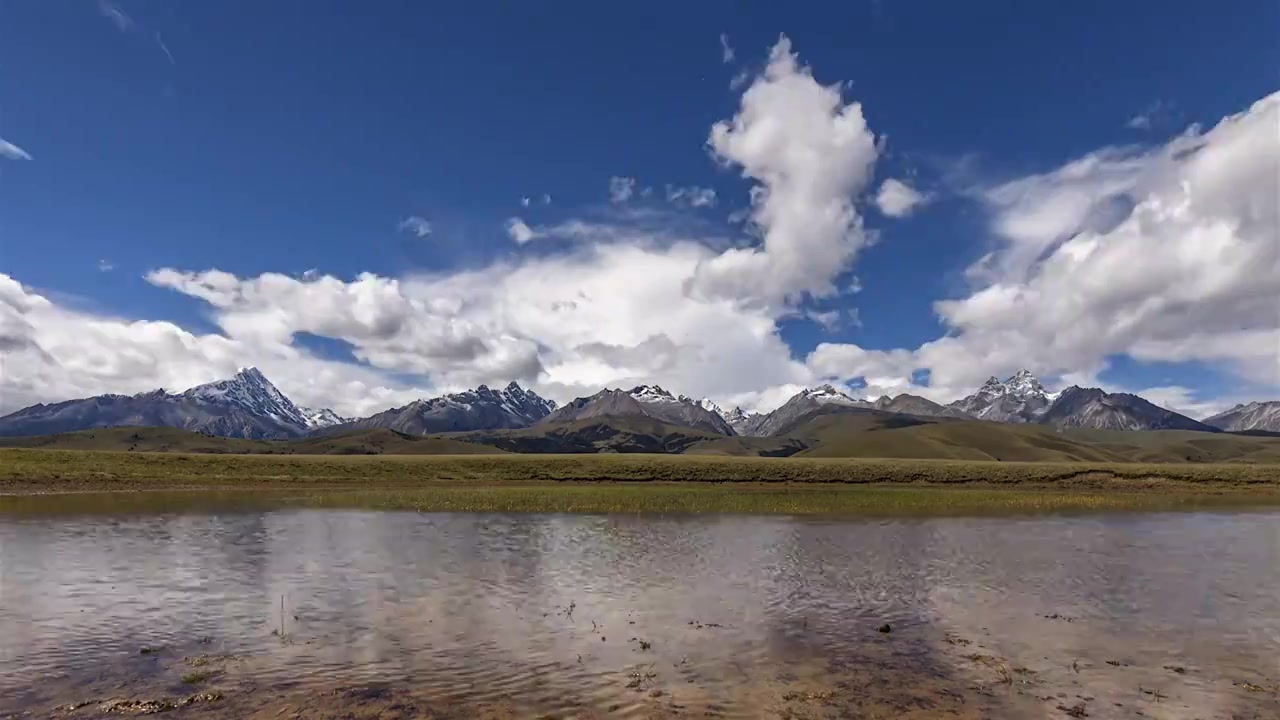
x=644 y=483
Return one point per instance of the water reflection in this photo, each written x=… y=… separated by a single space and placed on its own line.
x=728 y=615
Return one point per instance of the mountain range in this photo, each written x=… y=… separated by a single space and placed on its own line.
x=249 y=406
x=244 y=406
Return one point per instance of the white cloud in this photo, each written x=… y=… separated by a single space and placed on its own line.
x=417 y=225
x=828 y=320
x=1183 y=400
x=1141 y=121
x=1168 y=254
x=692 y=196
x=49 y=353
x=106 y=266
x=898 y=199
x=621 y=189
x=726 y=50
x=607 y=313
x=12 y=152
x=524 y=201
x=546 y=198
x=520 y=232
x=810 y=154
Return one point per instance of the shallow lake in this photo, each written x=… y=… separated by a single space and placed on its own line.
x=347 y=613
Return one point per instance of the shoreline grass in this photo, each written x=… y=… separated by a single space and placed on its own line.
x=622 y=483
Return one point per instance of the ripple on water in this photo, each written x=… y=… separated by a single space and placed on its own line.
x=734 y=616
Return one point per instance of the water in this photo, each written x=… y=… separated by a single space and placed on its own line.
x=469 y=615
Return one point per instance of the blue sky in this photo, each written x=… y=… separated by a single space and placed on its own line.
x=294 y=138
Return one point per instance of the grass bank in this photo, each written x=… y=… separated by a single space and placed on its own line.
x=621 y=483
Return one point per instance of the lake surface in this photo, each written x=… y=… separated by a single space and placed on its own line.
x=400 y=614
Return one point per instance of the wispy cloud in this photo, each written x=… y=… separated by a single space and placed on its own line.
x=12 y=152
x=726 y=50
x=115 y=14
x=621 y=189
x=692 y=196
x=524 y=201
x=165 y=49
x=106 y=265
x=417 y=225
x=546 y=198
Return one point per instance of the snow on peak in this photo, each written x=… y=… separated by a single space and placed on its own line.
x=828 y=394
x=651 y=394
x=737 y=415
x=321 y=417
x=250 y=390
x=710 y=406
x=1023 y=383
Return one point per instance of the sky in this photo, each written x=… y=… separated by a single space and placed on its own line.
x=378 y=202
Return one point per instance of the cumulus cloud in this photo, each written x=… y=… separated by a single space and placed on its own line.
x=605 y=314
x=898 y=199
x=691 y=196
x=51 y=353
x=621 y=189
x=809 y=153
x=415 y=224
x=1164 y=254
x=520 y=232
x=12 y=152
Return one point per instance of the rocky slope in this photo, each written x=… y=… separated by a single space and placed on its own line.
x=906 y=404
x=647 y=401
x=823 y=398
x=481 y=409
x=244 y=406
x=1263 y=416
x=1092 y=408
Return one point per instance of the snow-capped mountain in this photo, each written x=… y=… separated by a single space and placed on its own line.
x=246 y=405
x=1019 y=399
x=481 y=409
x=744 y=422
x=648 y=401
x=322 y=418
x=1093 y=408
x=824 y=398
x=1251 y=416
x=251 y=391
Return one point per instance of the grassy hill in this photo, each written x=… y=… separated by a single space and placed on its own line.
x=867 y=436
x=829 y=435
x=619 y=434
x=159 y=439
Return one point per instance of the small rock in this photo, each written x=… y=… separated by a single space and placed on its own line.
x=885 y=628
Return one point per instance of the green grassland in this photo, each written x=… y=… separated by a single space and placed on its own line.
x=857 y=464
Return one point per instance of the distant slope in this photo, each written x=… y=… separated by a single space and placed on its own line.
x=480 y=409
x=876 y=436
x=246 y=405
x=611 y=433
x=1093 y=408
x=161 y=439
x=906 y=404
x=1263 y=416
x=649 y=401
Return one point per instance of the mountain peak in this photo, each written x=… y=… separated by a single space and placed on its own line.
x=651 y=393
